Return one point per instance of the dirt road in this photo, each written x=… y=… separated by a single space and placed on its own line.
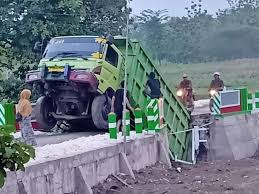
x=201 y=107
x=237 y=177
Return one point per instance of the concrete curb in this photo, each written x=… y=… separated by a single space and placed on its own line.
x=77 y=174
x=234 y=137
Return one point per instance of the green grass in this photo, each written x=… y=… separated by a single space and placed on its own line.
x=236 y=73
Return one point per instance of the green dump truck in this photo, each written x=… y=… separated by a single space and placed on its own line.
x=78 y=75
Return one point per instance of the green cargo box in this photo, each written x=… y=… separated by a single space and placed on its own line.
x=139 y=66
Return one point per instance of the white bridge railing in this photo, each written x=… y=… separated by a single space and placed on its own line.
x=197 y=139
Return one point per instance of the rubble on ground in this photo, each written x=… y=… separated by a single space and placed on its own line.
x=237 y=177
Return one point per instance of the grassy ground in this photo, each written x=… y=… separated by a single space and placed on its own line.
x=236 y=73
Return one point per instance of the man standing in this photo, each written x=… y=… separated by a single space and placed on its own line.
x=155 y=93
x=154 y=87
x=117 y=105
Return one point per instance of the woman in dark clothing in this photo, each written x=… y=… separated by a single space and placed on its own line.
x=154 y=86
x=117 y=105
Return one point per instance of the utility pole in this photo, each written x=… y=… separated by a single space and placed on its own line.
x=125 y=80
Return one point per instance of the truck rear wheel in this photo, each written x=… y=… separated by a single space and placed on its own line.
x=101 y=107
x=43 y=109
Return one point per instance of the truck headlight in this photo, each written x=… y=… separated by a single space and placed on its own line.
x=82 y=76
x=33 y=76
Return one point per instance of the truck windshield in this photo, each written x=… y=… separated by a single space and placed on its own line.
x=79 y=46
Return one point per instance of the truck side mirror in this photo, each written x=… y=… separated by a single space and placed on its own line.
x=110 y=39
x=37 y=47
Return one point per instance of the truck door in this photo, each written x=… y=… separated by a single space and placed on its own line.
x=110 y=69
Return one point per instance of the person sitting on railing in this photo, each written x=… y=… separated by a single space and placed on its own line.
x=152 y=87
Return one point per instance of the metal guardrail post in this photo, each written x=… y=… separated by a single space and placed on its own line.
x=7 y=117
x=2 y=115
x=138 y=121
x=127 y=124
x=112 y=127
x=150 y=118
x=193 y=147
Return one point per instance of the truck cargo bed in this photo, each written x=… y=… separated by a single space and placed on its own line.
x=139 y=65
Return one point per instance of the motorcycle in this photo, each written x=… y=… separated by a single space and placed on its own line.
x=186 y=96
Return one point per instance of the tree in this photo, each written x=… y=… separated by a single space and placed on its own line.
x=151 y=30
x=226 y=43
x=29 y=20
x=24 y=22
x=195 y=10
x=201 y=37
x=243 y=3
x=186 y=34
x=10 y=88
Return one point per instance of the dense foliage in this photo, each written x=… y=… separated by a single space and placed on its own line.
x=13 y=154
x=24 y=22
x=200 y=37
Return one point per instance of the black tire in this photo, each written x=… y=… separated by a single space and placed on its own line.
x=101 y=107
x=44 y=106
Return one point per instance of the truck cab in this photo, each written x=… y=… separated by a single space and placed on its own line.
x=76 y=79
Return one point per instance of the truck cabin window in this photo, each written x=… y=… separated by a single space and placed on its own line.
x=72 y=47
x=112 y=56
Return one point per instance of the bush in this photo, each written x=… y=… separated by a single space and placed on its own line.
x=13 y=153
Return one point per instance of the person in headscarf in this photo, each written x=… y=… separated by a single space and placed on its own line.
x=25 y=110
x=153 y=85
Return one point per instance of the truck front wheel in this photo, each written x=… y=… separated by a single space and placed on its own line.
x=44 y=108
x=101 y=107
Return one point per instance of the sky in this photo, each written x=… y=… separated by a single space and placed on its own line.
x=175 y=7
